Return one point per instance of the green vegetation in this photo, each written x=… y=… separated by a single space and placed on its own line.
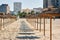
x=32 y=12
x=21 y=14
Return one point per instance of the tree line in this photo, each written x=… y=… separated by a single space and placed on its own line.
x=23 y=14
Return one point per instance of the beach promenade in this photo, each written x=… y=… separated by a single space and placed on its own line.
x=24 y=30
x=11 y=31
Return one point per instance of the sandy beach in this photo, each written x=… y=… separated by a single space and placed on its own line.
x=55 y=28
x=11 y=31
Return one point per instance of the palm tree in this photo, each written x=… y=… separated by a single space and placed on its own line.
x=32 y=12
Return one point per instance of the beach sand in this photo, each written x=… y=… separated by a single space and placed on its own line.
x=55 y=28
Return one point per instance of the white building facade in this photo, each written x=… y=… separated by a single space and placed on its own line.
x=37 y=10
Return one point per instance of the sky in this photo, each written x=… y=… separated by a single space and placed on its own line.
x=25 y=3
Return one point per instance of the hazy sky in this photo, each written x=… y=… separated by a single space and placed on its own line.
x=25 y=3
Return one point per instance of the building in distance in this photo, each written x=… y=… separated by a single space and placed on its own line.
x=4 y=8
x=27 y=10
x=12 y=12
x=51 y=3
x=37 y=10
x=17 y=7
